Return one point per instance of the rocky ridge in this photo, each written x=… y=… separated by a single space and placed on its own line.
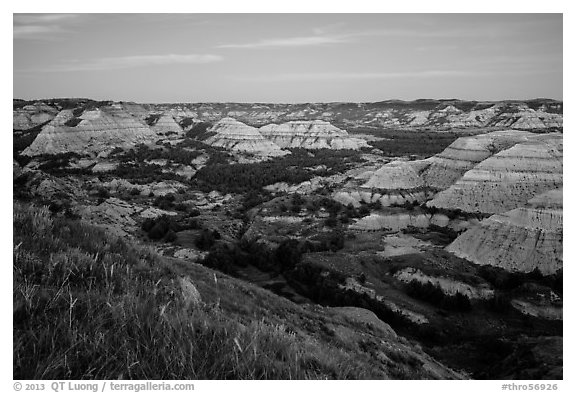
x=315 y=134
x=431 y=114
x=93 y=131
x=423 y=113
x=33 y=115
x=465 y=153
x=521 y=239
x=166 y=125
x=231 y=134
x=507 y=179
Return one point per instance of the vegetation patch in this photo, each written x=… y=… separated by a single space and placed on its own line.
x=88 y=305
x=292 y=169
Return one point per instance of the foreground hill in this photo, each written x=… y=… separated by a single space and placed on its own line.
x=88 y=305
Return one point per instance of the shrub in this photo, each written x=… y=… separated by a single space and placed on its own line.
x=103 y=193
x=331 y=222
x=288 y=254
x=158 y=228
x=364 y=210
x=170 y=236
x=73 y=122
x=433 y=294
x=165 y=202
x=207 y=239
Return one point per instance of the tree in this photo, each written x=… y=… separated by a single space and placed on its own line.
x=331 y=222
x=288 y=254
x=207 y=239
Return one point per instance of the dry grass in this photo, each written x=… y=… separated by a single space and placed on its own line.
x=88 y=305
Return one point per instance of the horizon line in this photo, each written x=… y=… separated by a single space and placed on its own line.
x=295 y=102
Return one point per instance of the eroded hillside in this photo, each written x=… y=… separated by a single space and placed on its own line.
x=362 y=231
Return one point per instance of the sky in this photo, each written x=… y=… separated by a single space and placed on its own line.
x=287 y=58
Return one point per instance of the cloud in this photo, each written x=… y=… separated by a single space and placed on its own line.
x=43 y=26
x=314 y=40
x=114 y=63
x=321 y=38
x=30 y=19
x=33 y=30
x=357 y=75
x=327 y=35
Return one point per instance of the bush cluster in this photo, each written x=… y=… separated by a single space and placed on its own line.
x=433 y=294
x=161 y=228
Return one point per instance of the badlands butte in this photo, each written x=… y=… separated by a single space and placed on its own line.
x=418 y=239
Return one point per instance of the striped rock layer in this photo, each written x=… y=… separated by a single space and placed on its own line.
x=93 y=132
x=31 y=116
x=231 y=134
x=521 y=239
x=507 y=179
x=315 y=134
x=466 y=152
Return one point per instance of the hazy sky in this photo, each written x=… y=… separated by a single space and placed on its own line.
x=287 y=57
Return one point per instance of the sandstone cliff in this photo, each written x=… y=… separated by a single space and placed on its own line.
x=521 y=239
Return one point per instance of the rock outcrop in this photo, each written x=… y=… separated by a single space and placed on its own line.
x=508 y=179
x=523 y=117
x=315 y=134
x=92 y=132
x=395 y=175
x=465 y=153
x=231 y=134
x=522 y=239
x=449 y=286
x=395 y=183
x=165 y=125
x=32 y=115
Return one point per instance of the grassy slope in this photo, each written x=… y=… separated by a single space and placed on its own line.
x=87 y=305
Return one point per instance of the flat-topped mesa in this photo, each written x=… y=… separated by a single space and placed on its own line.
x=314 y=134
x=465 y=153
x=92 y=131
x=508 y=179
x=521 y=239
x=231 y=134
x=32 y=115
